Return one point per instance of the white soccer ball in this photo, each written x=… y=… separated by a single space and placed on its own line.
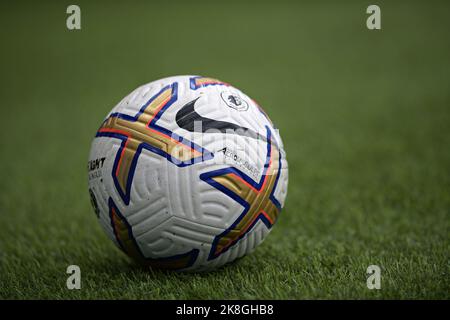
x=187 y=173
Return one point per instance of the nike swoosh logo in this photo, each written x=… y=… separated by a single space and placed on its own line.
x=187 y=116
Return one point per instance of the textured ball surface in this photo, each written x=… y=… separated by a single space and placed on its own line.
x=187 y=173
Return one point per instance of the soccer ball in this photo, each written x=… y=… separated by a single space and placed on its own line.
x=187 y=173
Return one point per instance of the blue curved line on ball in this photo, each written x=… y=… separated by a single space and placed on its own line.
x=208 y=178
x=206 y=155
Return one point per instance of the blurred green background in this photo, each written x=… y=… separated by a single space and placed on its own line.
x=365 y=118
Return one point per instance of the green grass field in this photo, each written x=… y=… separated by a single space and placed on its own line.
x=365 y=118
